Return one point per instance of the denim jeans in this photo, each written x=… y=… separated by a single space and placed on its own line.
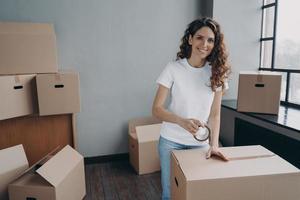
x=164 y=148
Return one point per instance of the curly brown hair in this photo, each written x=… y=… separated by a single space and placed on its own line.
x=218 y=56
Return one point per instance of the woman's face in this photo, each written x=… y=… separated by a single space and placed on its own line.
x=202 y=42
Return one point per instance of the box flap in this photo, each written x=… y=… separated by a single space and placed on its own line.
x=141 y=121
x=247 y=152
x=259 y=73
x=60 y=165
x=13 y=162
x=37 y=164
x=148 y=132
x=244 y=161
x=57 y=77
x=133 y=135
x=12 y=157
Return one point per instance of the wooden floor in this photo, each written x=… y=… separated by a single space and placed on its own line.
x=118 y=181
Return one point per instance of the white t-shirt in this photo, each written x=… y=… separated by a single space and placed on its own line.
x=191 y=97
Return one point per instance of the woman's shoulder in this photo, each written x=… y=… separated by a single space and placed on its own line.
x=177 y=64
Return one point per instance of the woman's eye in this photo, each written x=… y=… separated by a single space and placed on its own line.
x=211 y=40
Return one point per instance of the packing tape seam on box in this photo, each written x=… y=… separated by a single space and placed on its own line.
x=251 y=157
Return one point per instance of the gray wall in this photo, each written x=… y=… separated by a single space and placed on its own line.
x=119 y=48
x=241 y=23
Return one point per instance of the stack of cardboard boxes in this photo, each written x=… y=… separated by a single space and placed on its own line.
x=30 y=83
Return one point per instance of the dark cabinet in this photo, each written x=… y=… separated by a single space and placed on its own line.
x=247 y=133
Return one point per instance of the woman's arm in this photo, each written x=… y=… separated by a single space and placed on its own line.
x=159 y=111
x=214 y=119
x=214 y=124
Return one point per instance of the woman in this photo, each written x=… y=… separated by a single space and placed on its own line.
x=195 y=83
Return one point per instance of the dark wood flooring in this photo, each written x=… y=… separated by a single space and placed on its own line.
x=118 y=181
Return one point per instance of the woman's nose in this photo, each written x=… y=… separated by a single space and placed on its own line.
x=205 y=43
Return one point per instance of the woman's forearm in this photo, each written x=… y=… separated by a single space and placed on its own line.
x=165 y=115
x=214 y=124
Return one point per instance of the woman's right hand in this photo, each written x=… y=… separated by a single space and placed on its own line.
x=191 y=125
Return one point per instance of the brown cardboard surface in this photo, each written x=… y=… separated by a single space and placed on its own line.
x=143 y=140
x=49 y=171
x=178 y=180
x=247 y=152
x=133 y=152
x=60 y=178
x=58 y=93
x=148 y=157
x=27 y=48
x=261 y=176
x=141 y=121
x=13 y=162
x=147 y=137
x=148 y=133
x=19 y=96
x=259 y=92
x=75 y=182
x=34 y=186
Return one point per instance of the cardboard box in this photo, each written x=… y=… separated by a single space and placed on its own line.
x=253 y=172
x=58 y=93
x=60 y=178
x=13 y=162
x=259 y=92
x=143 y=140
x=27 y=48
x=18 y=96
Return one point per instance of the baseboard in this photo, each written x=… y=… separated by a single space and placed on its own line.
x=106 y=158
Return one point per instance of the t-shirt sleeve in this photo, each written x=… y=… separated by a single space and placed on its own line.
x=166 y=78
x=226 y=86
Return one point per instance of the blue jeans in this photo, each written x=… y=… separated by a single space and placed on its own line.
x=164 y=148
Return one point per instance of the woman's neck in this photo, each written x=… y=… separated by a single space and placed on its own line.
x=197 y=63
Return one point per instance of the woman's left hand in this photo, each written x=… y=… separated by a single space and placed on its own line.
x=214 y=151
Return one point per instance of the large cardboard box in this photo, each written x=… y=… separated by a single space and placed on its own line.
x=18 y=96
x=27 y=48
x=60 y=178
x=13 y=162
x=58 y=93
x=259 y=92
x=143 y=140
x=253 y=172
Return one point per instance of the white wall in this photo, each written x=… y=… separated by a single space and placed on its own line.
x=119 y=48
x=241 y=23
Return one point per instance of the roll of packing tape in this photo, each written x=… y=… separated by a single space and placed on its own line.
x=204 y=137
